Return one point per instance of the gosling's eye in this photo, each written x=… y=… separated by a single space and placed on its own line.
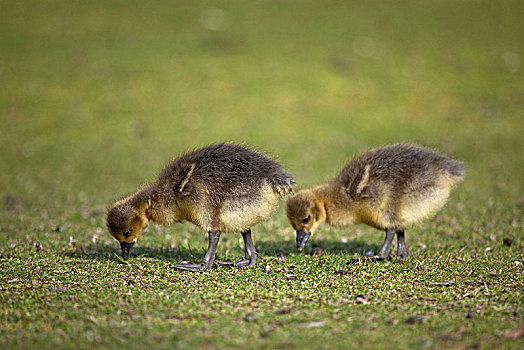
x=127 y=233
x=306 y=220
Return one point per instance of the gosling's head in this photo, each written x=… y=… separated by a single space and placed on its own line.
x=305 y=214
x=126 y=224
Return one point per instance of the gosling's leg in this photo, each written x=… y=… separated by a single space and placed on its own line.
x=402 y=250
x=209 y=259
x=383 y=253
x=250 y=253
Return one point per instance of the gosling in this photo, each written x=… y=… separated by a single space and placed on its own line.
x=391 y=188
x=220 y=188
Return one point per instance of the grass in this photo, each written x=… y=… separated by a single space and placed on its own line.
x=95 y=97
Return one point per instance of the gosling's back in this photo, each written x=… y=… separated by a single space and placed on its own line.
x=225 y=187
x=399 y=185
x=227 y=170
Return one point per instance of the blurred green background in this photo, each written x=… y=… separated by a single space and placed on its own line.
x=97 y=96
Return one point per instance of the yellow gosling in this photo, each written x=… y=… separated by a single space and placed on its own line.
x=220 y=188
x=391 y=188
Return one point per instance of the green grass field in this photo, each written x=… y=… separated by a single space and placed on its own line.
x=97 y=96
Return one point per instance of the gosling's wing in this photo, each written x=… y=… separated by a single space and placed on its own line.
x=226 y=170
x=399 y=169
x=281 y=182
x=356 y=179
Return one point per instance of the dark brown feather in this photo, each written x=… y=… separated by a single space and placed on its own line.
x=402 y=167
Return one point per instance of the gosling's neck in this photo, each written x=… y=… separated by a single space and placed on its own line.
x=337 y=211
x=322 y=195
x=151 y=200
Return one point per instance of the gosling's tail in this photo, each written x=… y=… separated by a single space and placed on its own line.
x=282 y=183
x=457 y=169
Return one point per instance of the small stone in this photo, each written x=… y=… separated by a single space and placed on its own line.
x=284 y=310
x=360 y=299
x=445 y=284
x=249 y=318
x=315 y=324
x=268 y=268
x=414 y=319
x=291 y=277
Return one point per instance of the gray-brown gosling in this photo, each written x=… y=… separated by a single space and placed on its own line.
x=220 y=188
x=391 y=188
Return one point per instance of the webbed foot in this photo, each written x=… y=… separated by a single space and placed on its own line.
x=401 y=255
x=209 y=258
x=190 y=267
x=251 y=253
x=239 y=264
x=402 y=250
x=381 y=257
x=242 y=263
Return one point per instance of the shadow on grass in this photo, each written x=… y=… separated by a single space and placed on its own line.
x=103 y=251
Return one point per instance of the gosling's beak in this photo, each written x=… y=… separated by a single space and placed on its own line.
x=126 y=249
x=302 y=238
